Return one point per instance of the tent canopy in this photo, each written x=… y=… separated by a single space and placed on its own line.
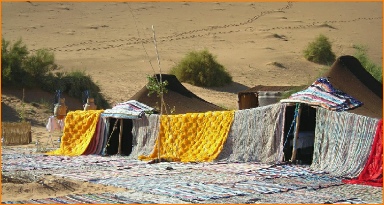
x=350 y=77
x=178 y=98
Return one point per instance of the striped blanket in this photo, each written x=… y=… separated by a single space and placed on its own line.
x=256 y=135
x=322 y=93
x=342 y=142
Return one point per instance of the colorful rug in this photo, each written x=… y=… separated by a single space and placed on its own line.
x=192 y=137
x=303 y=196
x=173 y=186
x=46 y=163
x=278 y=171
x=256 y=135
x=79 y=129
x=340 y=139
x=231 y=167
x=102 y=198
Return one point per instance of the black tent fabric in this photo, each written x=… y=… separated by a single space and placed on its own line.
x=348 y=75
x=178 y=98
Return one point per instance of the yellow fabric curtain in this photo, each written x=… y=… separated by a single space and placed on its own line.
x=192 y=137
x=79 y=128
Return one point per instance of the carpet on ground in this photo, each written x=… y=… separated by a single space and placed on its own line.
x=100 y=198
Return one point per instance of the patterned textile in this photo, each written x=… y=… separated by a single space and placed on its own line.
x=93 y=145
x=322 y=93
x=131 y=109
x=102 y=198
x=175 y=186
x=80 y=127
x=145 y=131
x=256 y=135
x=372 y=173
x=304 y=196
x=192 y=137
x=101 y=136
x=342 y=142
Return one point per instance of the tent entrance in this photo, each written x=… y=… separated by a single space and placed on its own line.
x=113 y=137
x=306 y=135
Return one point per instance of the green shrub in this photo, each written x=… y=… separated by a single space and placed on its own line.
x=74 y=83
x=12 y=57
x=23 y=70
x=320 y=51
x=375 y=70
x=40 y=63
x=201 y=69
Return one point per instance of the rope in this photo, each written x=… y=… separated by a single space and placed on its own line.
x=293 y=122
x=110 y=136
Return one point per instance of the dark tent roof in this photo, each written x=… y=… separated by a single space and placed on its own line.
x=177 y=97
x=348 y=75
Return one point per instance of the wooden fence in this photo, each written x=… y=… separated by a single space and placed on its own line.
x=16 y=133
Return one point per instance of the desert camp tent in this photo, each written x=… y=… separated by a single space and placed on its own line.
x=118 y=126
x=347 y=74
x=139 y=134
x=343 y=133
x=125 y=128
x=178 y=98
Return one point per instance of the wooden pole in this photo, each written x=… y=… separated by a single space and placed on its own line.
x=120 y=136
x=296 y=135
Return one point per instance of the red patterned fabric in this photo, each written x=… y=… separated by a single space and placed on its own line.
x=372 y=173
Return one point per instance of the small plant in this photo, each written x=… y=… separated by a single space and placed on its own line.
x=375 y=70
x=320 y=51
x=201 y=69
x=154 y=86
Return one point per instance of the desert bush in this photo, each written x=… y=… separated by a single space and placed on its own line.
x=375 y=70
x=76 y=82
x=320 y=51
x=12 y=57
x=39 y=63
x=200 y=68
x=22 y=69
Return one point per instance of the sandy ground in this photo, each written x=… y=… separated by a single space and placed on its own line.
x=113 y=43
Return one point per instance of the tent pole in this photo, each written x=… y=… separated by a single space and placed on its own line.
x=120 y=137
x=296 y=134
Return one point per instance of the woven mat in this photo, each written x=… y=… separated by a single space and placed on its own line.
x=173 y=186
x=102 y=198
x=305 y=197
x=280 y=171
